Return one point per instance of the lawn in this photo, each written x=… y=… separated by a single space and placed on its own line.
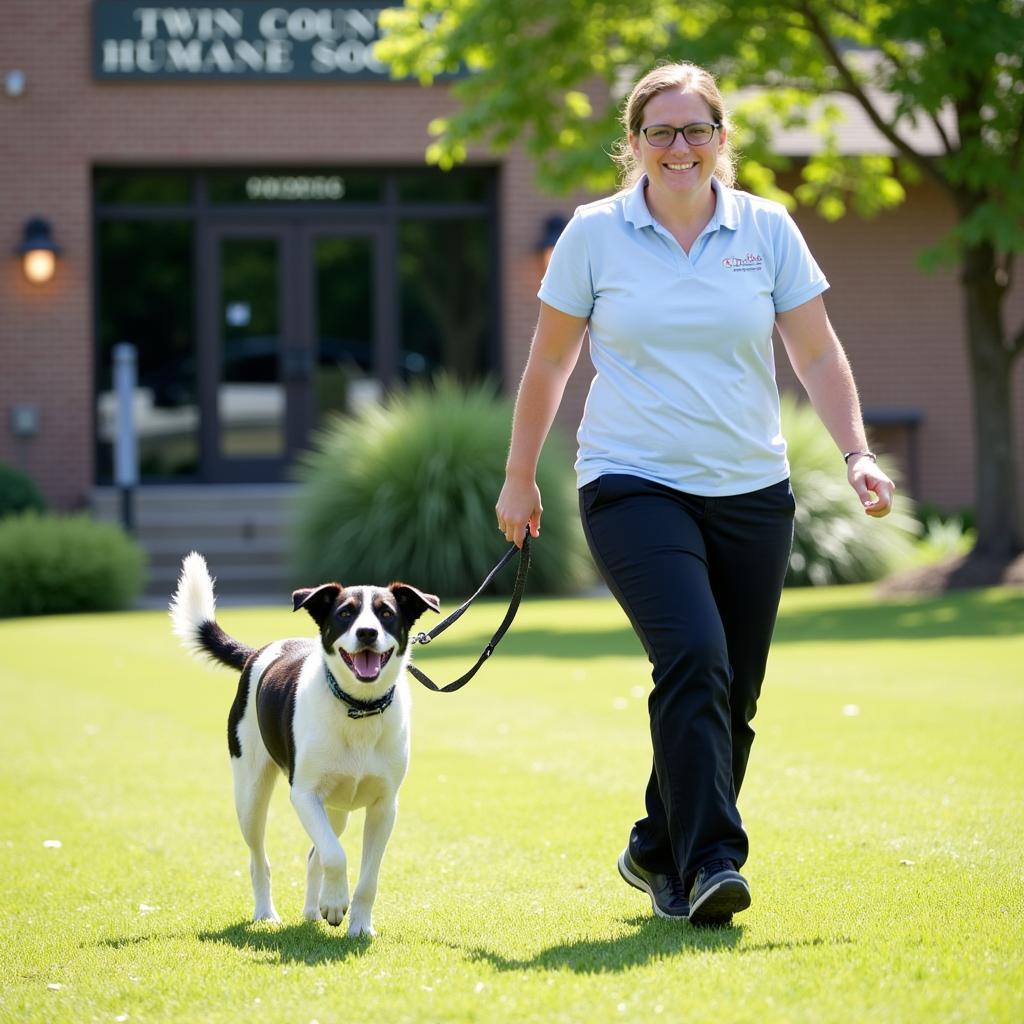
x=884 y=806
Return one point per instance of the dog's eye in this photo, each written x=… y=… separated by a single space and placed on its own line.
x=344 y=613
x=386 y=613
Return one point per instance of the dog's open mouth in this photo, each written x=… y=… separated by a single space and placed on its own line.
x=366 y=665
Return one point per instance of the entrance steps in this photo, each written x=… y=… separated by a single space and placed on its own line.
x=240 y=529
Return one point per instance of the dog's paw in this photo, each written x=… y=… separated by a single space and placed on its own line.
x=266 y=914
x=360 y=928
x=311 y=913
x=333 y=912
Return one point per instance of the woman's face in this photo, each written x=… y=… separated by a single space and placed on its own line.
x=680 y=168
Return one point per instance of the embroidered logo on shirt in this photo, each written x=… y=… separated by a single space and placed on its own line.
x=752 y=261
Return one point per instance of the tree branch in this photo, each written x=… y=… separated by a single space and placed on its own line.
x=891 y=53
x=946 y=142
x=853 y=88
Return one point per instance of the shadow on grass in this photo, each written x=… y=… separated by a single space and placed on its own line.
x=304 y=942
x=958 y=615
x=654 y=939
x=971 y=614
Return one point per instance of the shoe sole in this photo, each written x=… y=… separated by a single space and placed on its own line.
x=720 y=902
x=638 y=883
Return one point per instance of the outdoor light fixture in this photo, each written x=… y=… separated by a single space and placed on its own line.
x=553 y=228
x=38 y=251
x=14 y=83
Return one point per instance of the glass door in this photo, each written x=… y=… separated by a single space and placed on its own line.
x=295 y=325
x=347 y=318
x=248 y=351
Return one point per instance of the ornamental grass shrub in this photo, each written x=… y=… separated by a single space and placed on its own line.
x=406 y=491
x=835 y=542
x=18 y=492
x=59 y=564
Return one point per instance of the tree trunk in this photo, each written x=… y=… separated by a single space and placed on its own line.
x=1000 y=533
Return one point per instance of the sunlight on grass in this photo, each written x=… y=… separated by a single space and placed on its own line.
x=883 y=805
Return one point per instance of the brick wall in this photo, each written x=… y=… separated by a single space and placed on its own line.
x=902 y=328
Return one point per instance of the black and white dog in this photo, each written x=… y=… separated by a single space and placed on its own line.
x=333 y=716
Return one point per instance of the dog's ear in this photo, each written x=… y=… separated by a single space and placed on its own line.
x=413 y=602
x=316 y=600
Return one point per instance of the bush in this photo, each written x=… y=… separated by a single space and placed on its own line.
x=51 y=565
x=407 y=491
x=18 y=493
x=835 y=541
x=942 y=539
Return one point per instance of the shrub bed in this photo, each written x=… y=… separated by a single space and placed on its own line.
x=835 y=542
x=407 y=491
x=59 y=564
x=18 y=492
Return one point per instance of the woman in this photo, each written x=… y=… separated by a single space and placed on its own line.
x=682 y=470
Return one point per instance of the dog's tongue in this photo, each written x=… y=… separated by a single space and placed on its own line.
x=367 y=664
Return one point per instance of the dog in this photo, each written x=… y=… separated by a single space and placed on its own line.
x=332 y=715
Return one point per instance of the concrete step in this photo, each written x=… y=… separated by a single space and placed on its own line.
x=229 y=499
x=259 y=582
x=241 y=530
x=225 y=550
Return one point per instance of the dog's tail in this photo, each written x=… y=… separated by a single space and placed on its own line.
x=193 y=614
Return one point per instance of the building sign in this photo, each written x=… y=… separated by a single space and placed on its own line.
x=294 y=186
x=243 y=41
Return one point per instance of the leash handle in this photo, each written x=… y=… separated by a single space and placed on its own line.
x=517 y=595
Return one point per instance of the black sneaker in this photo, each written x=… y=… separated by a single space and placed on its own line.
x=718 y=892
x=668 y=898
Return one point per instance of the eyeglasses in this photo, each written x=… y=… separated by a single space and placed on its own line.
x=661 y=136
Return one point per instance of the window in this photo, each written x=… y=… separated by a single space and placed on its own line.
x=145 y=282
x=334 y=284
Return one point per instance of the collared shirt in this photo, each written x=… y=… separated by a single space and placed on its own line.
x=684 y=392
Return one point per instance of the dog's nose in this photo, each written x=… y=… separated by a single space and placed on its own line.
x=366 y=635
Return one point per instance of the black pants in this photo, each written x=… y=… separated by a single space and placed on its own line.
x=700 y=579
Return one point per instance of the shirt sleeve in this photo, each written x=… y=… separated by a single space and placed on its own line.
x=568 y=281
x=797 y=277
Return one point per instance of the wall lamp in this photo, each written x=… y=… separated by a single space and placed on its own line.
x=552 y=229
x=38 y=251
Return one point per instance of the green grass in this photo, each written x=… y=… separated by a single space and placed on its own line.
x=886 y=845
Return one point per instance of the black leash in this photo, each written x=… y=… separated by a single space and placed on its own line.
x=517 y=596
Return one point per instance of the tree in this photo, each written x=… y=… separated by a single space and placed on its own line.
x=552 y=74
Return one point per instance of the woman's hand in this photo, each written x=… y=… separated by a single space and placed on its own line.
x=555 y=349
x=873 y=487
x=519 y=507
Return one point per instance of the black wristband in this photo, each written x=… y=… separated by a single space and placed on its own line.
x=849 y=455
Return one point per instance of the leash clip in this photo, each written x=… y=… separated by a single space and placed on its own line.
x=422 y=638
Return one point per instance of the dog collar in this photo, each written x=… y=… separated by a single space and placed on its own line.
x=359 y=708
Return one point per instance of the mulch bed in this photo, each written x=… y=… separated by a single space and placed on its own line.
x=961 y=573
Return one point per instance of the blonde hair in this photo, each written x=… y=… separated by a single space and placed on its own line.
x=690 y=78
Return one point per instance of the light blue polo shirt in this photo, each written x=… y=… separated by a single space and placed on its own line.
x=685 y=391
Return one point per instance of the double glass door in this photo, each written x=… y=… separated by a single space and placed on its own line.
x=296 y=323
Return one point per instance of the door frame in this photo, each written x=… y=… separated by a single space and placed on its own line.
x=297 y=305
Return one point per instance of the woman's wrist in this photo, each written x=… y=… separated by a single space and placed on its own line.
x=859 y=453
x=520 y=474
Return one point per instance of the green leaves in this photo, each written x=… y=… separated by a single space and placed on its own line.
x=944 y=82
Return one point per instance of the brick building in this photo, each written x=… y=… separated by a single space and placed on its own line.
x=267 y=235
